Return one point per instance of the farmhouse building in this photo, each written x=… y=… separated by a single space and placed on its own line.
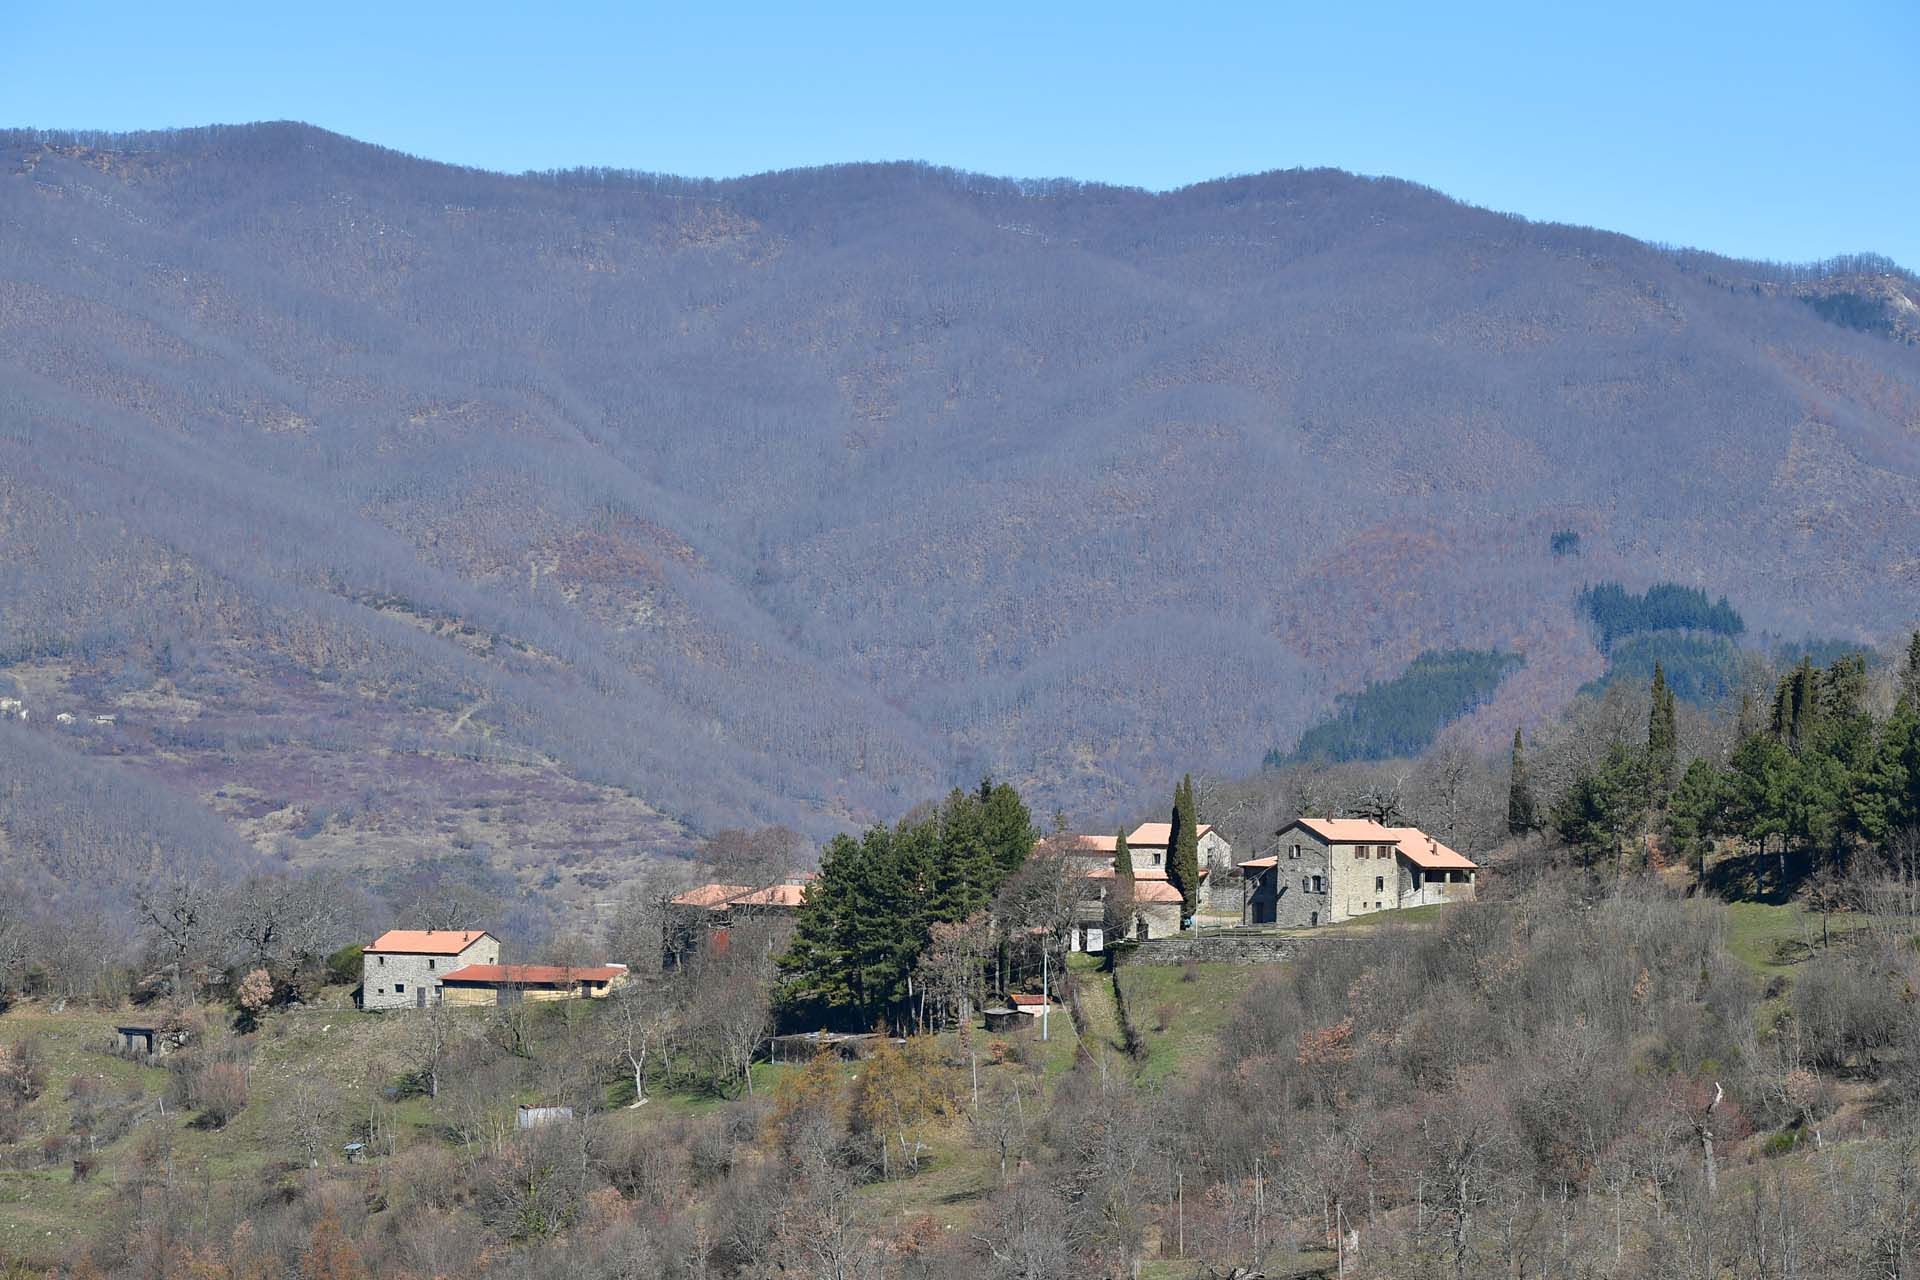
x=1325 y=870
x=1219 y=892
x=403 y=968
x=495 y=984
x=1156 y=901
x=708 y=913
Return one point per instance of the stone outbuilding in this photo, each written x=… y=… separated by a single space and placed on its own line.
x=1326 y=870
x=403 y=968
x=495 y=984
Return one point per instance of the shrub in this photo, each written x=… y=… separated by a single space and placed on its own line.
x=1779 y=1144
x=23 y=1071
x=220 y=1092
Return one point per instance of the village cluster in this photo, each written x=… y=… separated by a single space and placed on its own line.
x=1319 y=871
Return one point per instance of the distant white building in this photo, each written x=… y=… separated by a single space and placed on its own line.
x=65 y=717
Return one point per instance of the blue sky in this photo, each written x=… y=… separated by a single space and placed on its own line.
x=1761 y=129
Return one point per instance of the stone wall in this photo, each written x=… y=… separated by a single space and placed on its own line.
x=1231 y=948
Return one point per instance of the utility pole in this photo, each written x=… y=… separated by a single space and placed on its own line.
x=1046 y=1000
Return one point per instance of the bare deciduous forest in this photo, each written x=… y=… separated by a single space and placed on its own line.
x=599 y=510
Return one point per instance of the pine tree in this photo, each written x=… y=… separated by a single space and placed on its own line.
x=965 y=873
x=1007 y=828
x=1889 y=792
x=1697 y=811
x=814 y=970
x=1183 y=853
x=1523 y=814
x=1663 y=739
x=1910 y=674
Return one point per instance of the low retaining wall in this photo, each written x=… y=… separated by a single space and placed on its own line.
x=1229 y=948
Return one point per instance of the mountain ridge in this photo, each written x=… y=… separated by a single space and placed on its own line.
x=807 y=498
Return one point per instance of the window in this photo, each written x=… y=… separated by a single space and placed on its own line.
x=1304 y=886
x=1156 y=857
x=430 y=963
x=1360 y=851
x=1295 y=854
x=382 y=990
x=381 y=959
x=1316 y=884
x=399 y=988
x=1379 y=884
x=1416 y=878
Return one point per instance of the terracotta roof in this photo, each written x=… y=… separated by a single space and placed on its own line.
x=1419 y=848
x=1423 y=851
x=534 y=975
x=1260 y=864
x=1160 y=833
x=1155 y=891
x=1141 y=875
x=711 y=895
x=779 y=895
x=1077 y=845
x=1160 y=873
x=1348 y=830
x=427 y=942
x=1028 y=1000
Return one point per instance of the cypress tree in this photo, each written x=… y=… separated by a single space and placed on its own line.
x=1523 y=814
x=1663 y=739
x=1183 y=853
x=1119 y=905
x=1910 y=674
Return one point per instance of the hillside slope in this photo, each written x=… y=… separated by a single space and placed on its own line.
x=798 y=497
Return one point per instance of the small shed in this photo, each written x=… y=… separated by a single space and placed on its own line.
x=137 y=1041
x=1001 y=1018
x=535 y=1117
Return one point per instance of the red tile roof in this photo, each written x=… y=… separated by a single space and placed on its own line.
x=1423 y=851
x=1028 y=1000
x=1078 y=845
x=1150 y=834
x=1260 y=864
x=534 y=975
x=779 y=895
x=1419 y=848
x=711 y=895
x=1348 y=830
x=426 y=942
x=1155 y=891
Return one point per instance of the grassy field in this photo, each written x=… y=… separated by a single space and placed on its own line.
x=1179 y=1010
x=1756 y=930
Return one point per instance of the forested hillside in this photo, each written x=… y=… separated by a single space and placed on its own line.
x=389 y=507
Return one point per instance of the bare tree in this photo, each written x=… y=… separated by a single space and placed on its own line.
x=182 y=913
x=636 y=1023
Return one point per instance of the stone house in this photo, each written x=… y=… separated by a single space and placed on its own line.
x=1325 y=870
x=1150 y=844
x=705 y=915
x=1156 y=902
x=402 y=968
x=495 y=984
